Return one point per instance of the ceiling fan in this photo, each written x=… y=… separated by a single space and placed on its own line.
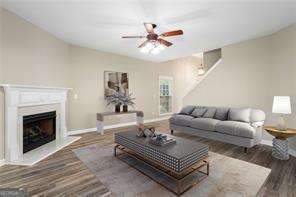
x=155 y=43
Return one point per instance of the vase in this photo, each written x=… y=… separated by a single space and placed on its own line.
x=125 y=108
x=117 y=108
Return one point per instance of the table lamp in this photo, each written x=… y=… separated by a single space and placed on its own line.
x=281 y=105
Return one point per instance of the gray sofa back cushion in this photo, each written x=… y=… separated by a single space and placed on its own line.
x=257 y=115
x=239 y=114
x=210 y=112
x=198 y=112
x=221 y=113
x=187 y=110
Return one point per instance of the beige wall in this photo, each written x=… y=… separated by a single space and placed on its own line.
x=30 y=56
x=251 y=73
x=1 y=93
x=87 y=79
x=283 y=71
x=184 y=72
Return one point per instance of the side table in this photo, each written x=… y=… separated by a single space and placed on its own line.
x=100 y=118
x=280 y=149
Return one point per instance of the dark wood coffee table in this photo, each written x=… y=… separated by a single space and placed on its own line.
x=181 y=162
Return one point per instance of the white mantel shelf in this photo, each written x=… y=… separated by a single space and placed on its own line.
x=34 y=87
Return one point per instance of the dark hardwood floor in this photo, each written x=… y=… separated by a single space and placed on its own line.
x=63 y=174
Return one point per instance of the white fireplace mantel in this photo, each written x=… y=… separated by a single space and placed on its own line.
x=23 y=100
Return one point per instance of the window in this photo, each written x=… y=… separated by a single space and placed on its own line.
x=165 y=95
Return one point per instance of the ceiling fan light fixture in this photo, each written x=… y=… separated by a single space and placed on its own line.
x=149 y=46
x=155 y=51
x=160 y=47
x=144 y=50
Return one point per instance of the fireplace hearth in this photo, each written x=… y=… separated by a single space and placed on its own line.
x=38 y=129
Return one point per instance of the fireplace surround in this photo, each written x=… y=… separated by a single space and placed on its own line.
x=24 y=107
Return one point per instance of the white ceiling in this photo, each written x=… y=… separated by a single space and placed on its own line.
x=207 y=24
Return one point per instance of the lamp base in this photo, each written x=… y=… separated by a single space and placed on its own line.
x=281 y=124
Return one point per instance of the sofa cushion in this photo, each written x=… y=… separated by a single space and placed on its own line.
x=182 y=120
x=210 y=112
x=257 y=115
x=204 y=123
x=221 y=113
x=187 y=110
x=239 y=114
x=235 y=128
x=198 y=112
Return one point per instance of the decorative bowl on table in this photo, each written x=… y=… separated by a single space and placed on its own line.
x=161 y=140
x=145 y=131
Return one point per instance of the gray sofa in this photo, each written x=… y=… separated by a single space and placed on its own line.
x=239 y=126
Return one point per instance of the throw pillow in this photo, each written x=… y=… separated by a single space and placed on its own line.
x=221 y=113
x=198 y=112
x=187 y=110
x=240 y=114
x=210 y=112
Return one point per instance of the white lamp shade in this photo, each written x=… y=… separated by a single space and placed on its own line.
x=281 y=105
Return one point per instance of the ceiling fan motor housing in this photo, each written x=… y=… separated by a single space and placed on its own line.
x=152 y=37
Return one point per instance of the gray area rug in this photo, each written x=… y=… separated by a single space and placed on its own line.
x=228 y=177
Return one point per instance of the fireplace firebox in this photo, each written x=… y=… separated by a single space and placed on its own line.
x=38 y=129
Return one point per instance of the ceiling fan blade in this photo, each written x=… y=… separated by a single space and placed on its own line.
x=143 y=44
x=133 y=37
x=149 y=27
x=172 y=33
x=164 y=42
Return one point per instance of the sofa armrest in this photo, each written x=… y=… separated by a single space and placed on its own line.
x=172 y=116
x=257 y=124
x=259 y=128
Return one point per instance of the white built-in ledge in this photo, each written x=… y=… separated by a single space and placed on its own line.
x=23 y=100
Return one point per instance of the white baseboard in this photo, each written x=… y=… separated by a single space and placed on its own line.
x=75 y=132
x=292 y=152
x=2 y=162
x=156 y=119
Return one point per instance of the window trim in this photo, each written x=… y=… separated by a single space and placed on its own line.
x=171 y=94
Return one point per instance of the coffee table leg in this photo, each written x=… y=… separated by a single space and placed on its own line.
x=115 y=147
x=178 y=187
x=208 y=168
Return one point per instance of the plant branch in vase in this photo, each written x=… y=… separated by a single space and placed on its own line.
x=116 y=100
x=127 y=100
